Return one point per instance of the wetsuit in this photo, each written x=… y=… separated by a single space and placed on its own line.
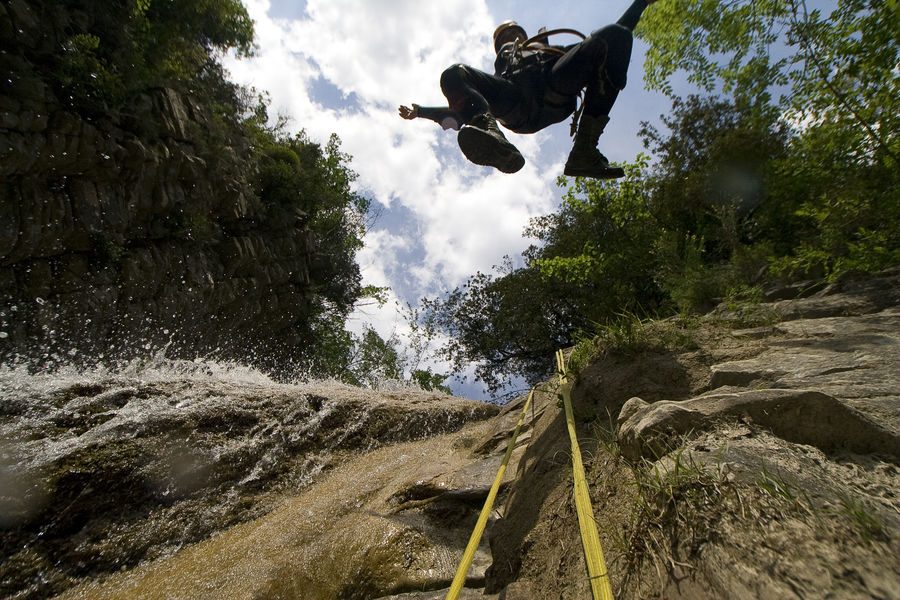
x=541 y=88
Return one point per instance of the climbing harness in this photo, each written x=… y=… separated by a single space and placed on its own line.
x=601 y=589
x=535 y=40
x=536 y=44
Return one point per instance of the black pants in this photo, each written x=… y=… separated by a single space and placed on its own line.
x=598 y=65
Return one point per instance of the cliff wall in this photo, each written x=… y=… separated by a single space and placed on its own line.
x=133 y=226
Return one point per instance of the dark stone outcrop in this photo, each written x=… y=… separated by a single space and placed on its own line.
x=131 y=226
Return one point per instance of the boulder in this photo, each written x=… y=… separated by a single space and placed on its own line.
x=803 y=417
x=850 y=358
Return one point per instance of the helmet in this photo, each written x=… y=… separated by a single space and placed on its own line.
x=504 y=27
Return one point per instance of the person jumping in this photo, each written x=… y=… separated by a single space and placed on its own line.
x=535 y=85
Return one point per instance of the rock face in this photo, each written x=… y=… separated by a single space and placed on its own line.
x=828 y=381
x=102 y=471
x=809 y=425
x=802 y=417
x=734 y=491
x=131 y=227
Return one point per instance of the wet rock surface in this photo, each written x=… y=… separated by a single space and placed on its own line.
x=761 y=462
x=388 y=524
x=102 y=473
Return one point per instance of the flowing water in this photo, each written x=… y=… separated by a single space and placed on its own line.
x=104 y=467
x=333 y=541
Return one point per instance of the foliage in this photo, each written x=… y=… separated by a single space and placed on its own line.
x=303 y=184
x=629 y=335
x=373 y=360
x=677 y=500
x=839 y=68
x=638 y=246
x=720 y=43
x=840 y=93
x=714 y=194
x=300 y=181
x=863 y=519
x=595 y=261
x=428 y=381
x=367 y=359
x=789 y=172
x=117 y=48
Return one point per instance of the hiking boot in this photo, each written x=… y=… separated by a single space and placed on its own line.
x=584 y=159
x=483 y=143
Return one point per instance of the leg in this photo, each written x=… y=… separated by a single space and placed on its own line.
x=471 y=92
x=477 y=96
x=632 y=15
x=599 y=65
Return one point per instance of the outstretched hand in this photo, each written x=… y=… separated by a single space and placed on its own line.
x=409 y=113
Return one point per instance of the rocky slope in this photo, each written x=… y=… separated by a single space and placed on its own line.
x=102 y=470
x=759 y=462
x=753 y=462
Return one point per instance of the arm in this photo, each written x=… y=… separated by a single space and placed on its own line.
x=442 y=115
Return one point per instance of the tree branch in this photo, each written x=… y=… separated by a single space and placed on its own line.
x=840 y=97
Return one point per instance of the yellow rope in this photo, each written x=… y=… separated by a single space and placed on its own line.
x=590 y=539
x=601 y=589
x=475 y=539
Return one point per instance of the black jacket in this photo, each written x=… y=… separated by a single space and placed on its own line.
x=540 y=105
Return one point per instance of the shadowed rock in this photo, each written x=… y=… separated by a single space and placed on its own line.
x=803 y=417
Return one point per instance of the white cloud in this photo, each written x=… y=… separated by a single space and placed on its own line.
x=382 y=53
x=387 y=53
x=388 y=49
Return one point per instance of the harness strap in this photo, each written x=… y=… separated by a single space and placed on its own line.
x=573 y=126
x=545 y=34
x=533 y=44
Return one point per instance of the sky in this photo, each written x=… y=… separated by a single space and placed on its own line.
x=344 y=66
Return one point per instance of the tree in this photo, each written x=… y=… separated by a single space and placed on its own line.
x=506 y=325
x=839 y=69
x=117 y=48
x=595 y=261
x=804 y=184
x=839 y=92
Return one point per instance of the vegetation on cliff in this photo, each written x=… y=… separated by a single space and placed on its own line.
x=257 y=236
x=121 y=48
x=747 y=189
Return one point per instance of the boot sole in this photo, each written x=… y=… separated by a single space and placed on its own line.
x=484 y=149
x=593 y=173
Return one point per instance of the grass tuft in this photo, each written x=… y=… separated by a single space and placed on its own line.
x=863 y=519
x=677 y=503
x=629 y=335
